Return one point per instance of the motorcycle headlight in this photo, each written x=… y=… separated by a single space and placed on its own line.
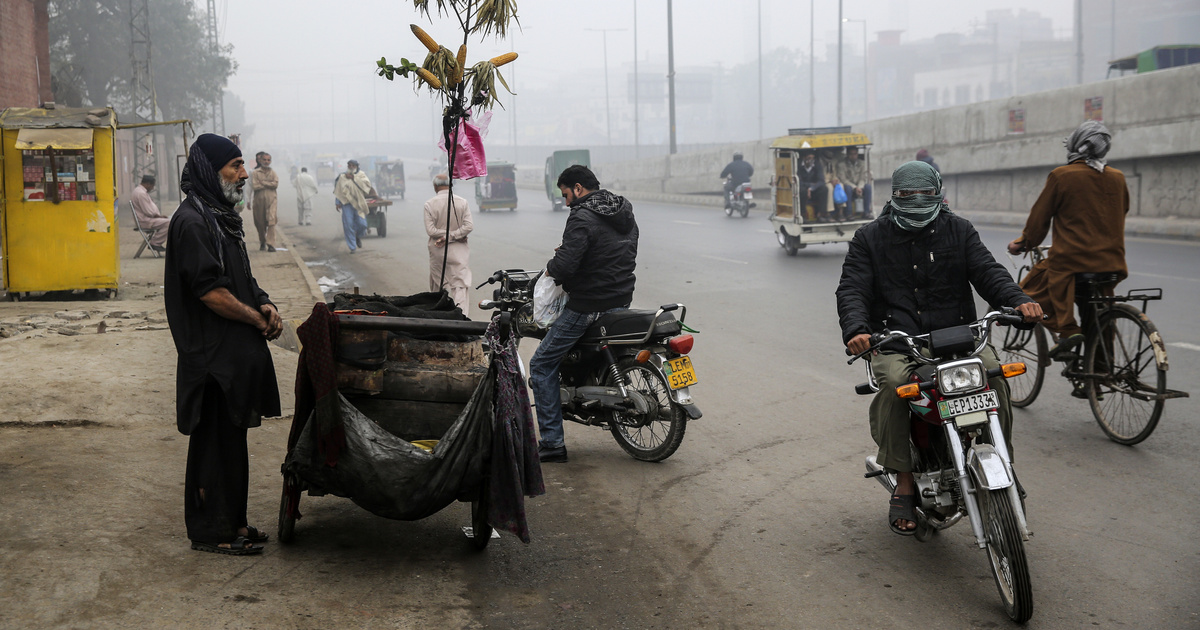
x=959 y=378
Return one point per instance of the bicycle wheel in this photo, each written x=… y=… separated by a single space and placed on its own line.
x=1126 y=395
x=1006 y=553
x=1028 y=347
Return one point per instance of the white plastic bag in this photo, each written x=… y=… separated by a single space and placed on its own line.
x=549 y=300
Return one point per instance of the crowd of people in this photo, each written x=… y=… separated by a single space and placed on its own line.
x=221 y=319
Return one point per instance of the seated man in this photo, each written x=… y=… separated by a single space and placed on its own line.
x=1086 y=201
x=812 y=181
x=855 y=179
x=735 y=173
x=912 y=269
x=148 y=215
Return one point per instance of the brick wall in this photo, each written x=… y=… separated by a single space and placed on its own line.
x=24 y=53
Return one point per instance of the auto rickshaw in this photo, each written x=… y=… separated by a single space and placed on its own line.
x=498 y=189
x=389 y=178
x=796 y=223
x=556 y=164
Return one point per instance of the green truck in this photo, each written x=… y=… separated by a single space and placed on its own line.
x=556 y=164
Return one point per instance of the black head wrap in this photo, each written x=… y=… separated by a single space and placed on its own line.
x=201 y=182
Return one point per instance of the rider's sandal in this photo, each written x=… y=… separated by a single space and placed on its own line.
x=902 y=507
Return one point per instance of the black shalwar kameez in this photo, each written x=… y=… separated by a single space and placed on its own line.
x=225 y=381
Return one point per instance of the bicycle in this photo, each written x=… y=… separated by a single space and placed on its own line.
x=1121 y=367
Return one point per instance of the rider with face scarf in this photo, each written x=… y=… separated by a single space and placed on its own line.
x=912 y=269
x=1086 y=202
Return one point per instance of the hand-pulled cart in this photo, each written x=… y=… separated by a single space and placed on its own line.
x=405 y=410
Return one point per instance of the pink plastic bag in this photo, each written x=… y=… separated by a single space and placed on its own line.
x=470 y=160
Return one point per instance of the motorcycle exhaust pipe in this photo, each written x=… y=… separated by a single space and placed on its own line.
x=885 y=479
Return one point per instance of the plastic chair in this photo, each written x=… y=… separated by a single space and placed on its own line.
x=146 y=234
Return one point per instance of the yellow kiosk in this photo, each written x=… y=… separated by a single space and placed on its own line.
x=58 y=223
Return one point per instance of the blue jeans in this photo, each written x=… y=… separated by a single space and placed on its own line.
x=543 y=370
x=353 y=226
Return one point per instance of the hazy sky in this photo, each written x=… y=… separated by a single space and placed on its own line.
x=300 y=60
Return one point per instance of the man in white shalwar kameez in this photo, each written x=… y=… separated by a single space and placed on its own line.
x=306 y=190
x=458 y=274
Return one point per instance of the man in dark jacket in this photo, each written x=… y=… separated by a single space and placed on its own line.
x=738 y=172
x=812 y=180
x=912 y=270
x=221 y=321
x=595 y=266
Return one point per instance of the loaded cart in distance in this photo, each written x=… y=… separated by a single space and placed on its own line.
x=806 y=214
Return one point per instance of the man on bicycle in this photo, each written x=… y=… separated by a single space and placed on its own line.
x=1086 y=201
x=912 y=270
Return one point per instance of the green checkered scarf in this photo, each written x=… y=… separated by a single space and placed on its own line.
x=914 y=212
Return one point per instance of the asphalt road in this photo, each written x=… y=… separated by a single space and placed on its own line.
x=762 y=518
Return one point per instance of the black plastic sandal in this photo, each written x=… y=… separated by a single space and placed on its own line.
x=902 y=507
x=237 y=547
x=255 y=536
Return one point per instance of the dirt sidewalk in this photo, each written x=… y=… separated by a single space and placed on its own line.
x=91 y=479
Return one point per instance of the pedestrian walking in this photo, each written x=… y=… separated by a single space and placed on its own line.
x=265 y=203
x=220 y=321
x=350 y=192
x=452 y=247
x=306 y=191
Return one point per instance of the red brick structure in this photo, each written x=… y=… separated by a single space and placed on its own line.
x=24 y=53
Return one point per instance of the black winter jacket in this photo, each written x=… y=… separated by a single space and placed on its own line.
x=595 y=262
x=919 y=281
x=739 y=170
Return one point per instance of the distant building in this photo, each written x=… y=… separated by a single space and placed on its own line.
x=24 y=53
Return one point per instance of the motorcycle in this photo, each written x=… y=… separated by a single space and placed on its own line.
x=963 y=469
x=740 y=200
x=630 y=372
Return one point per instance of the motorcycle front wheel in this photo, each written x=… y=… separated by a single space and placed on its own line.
x=657 y=435
x=729 y=210
x=1006 y=553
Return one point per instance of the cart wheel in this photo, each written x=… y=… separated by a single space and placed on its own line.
x=15 y=296
x=382 y=228
x=287 y=524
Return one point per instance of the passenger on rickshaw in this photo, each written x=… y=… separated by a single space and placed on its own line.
x=812 y=178
x=851 y=172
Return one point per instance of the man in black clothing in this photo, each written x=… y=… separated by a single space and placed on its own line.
x=221 y=321
x=736 y=173
x=812 y=180
x=912 y=270
x=595 y=266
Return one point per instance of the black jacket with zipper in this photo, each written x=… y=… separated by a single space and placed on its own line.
x=595 y=262
x=919 y=281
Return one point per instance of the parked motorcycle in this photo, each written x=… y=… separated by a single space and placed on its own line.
x=963 y=469
x=741 y=199
x=629 y=373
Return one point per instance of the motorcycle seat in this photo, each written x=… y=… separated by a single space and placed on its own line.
x=630 y=325
x=1103 y=277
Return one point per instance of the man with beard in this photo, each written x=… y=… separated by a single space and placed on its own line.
x=595 y=266
x=350 y=192
x=265 y=203
x=221 y=321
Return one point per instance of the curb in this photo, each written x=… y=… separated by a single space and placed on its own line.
x=288 y=339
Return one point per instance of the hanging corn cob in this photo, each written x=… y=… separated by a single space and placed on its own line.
x=503 y=59
x=424 y=37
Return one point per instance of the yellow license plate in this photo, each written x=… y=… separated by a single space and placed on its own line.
x=680 y=373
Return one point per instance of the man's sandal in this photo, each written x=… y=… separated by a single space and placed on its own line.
x=239 y=546
x=902 y=507
x=255 y=536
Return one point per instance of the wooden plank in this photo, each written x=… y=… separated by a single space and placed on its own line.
x=465 y=353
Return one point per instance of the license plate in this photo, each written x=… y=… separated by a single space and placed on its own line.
x=748 y=195
x=983 y=401
x=680 y=372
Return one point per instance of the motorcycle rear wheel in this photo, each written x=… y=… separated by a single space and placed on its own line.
x=657 y=436
x=1006 y=553
x=729 y=210
x=745 y=209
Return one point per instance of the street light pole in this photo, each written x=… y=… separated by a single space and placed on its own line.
x=760 y=66
x=607 y=109
x=812 y=63
x=839 y=66
x=636 y=140
x=866 y=69
x=671 y=72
